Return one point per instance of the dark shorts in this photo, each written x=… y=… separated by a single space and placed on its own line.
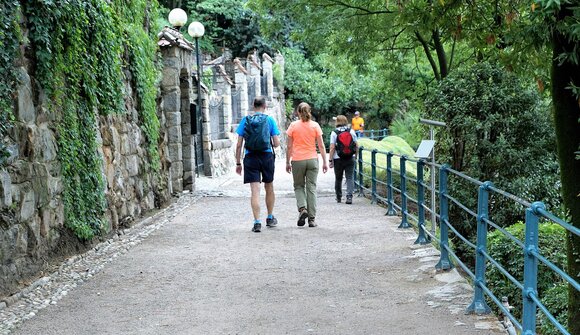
x=259 y=167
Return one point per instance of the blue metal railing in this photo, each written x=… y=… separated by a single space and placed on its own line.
x=534 y=212
x=376 y=134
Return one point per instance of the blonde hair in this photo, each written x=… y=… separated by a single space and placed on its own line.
x=303 y=110
x=341 y=121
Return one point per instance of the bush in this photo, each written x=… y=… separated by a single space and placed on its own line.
x=551 y=287
x=408 y=128
x=497 y=130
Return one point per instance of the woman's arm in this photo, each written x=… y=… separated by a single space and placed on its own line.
x=289 y=155
x=322 y=149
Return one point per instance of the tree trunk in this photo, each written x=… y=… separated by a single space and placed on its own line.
x=566 y=116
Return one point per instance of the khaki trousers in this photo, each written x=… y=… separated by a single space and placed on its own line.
x=305 y=173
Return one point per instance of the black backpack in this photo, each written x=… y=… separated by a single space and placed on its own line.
x=345 y=144
x=257 y=132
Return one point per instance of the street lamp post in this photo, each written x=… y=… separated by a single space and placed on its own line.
x=196 y=30
x=177 y=18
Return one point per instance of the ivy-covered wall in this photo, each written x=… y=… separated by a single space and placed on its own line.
x=79 y=127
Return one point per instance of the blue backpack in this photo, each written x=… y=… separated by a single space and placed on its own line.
x=257 y=132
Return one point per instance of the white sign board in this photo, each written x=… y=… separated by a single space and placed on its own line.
x=425 y=149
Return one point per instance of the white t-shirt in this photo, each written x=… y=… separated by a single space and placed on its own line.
x=333 y=138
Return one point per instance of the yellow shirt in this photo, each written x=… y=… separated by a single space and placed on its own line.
x=358 y=123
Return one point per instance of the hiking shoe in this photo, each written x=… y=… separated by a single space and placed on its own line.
x=349 y=200
x=271 y=222
x=302 y=217
x=311 y=222
x=257 y=227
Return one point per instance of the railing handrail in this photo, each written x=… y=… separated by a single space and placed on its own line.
x=535 y=212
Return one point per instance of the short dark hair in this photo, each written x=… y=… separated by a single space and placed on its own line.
x=259 y=102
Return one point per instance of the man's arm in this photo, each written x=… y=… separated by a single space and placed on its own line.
x=239 y=146
x=275 y=141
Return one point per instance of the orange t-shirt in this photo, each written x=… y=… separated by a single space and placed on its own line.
x=357 y=123
x=304 y=135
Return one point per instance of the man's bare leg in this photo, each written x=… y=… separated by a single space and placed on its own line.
x=255 y=200
x=270 y=197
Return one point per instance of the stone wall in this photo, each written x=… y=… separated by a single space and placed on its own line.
x=32 y=219
x=32 y=227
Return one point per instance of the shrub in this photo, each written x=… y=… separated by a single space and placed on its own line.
x=497 y=129
x=551 y=287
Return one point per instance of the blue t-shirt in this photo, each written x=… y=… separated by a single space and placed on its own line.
x=271 y=123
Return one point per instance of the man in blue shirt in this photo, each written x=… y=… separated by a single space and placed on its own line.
x=259 y=165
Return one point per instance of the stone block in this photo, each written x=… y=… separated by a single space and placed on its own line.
x=172 y=62
x=19 y=239
x=26 y=111
x=132 y=165
x=175 y=152
x=47 y=216
x=171 y=103
x=173 y=119
x=34 y=233
x=188 y=152
x=188 y=165
x=139 y=189
x=125 y=146
x=27 y=205
x=176 y=170
x=174 y=134
x=170 y=78
x=5 y=189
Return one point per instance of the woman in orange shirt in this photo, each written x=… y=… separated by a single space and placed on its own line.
x=302 y=161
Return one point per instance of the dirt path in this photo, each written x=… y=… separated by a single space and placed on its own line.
x=205 y=272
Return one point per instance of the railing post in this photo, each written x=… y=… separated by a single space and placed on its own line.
x=374 y=176
x=390 y=200
x=530 y=269
x=360 y=171
x=422 y=238
x=444 y=262
x=386 y=132
x=404 y=223
x=479 y=306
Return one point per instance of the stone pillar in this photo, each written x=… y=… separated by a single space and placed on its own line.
x=206 y=133
x=267 y=72
x=279 y=61
x=254 y=70
x=171 y=107
x=188 y=144
x=241 y=83
x=224 y=91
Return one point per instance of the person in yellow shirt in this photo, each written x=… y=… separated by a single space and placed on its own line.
x=358 y=124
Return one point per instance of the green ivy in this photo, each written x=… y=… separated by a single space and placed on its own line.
x=10 y=37
x=80 y=49
x=142 y=56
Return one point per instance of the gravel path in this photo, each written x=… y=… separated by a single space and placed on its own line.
x=196 y=268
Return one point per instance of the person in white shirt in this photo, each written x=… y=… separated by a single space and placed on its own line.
x=343 y=150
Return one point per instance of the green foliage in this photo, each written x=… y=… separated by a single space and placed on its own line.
x=142 y=64
x=407 y=126
x=498 y=130
x=551 y=287
x=10 y=36
x=80 y=65
x=228 y=23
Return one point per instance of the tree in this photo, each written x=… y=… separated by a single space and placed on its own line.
x=563 y=20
